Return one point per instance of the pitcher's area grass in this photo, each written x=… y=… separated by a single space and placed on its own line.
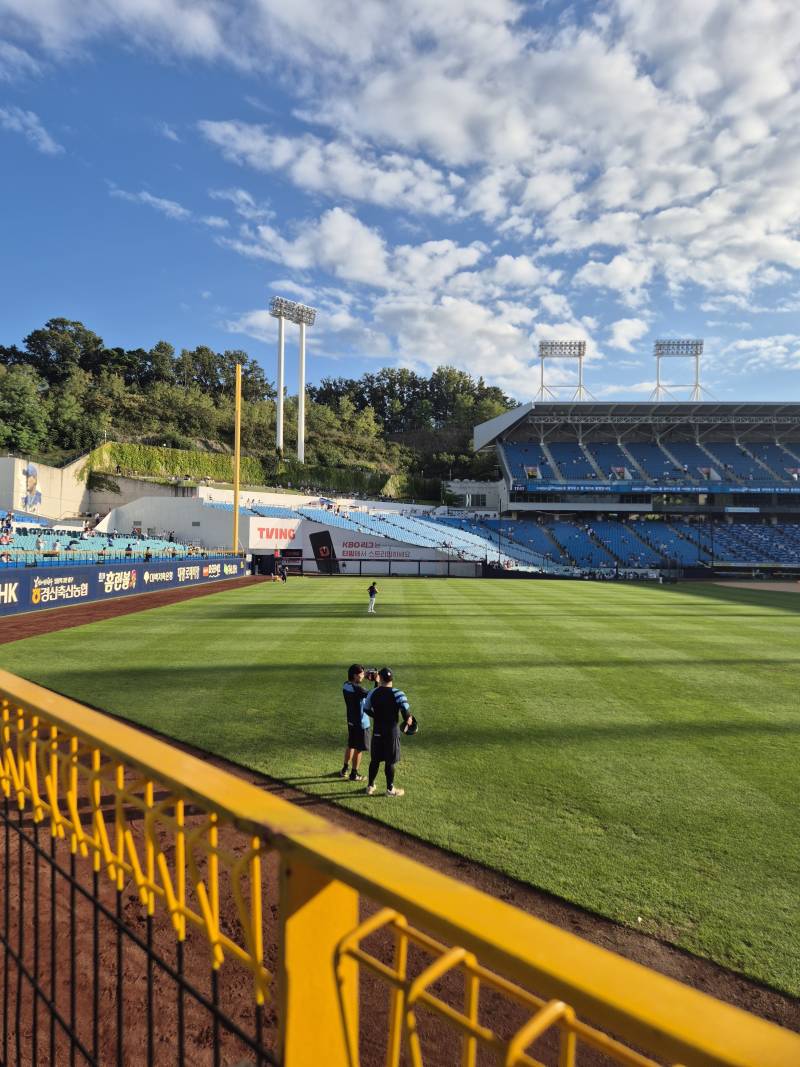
x=633 y=749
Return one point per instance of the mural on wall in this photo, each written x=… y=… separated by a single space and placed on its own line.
x=31 y=499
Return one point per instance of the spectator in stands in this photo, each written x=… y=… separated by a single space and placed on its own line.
x=148 y=554
x=128 y=551
x=57 y=545
x=40 y=543
x=386 y=705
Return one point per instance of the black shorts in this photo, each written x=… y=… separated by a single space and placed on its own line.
x=386 y=749
x=358 y=738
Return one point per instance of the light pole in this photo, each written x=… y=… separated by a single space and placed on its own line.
x=282 y=309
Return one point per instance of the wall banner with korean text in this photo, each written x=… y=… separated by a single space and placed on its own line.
x=32 y=589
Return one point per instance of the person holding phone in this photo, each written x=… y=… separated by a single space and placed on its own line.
x=373 y=592
x=358 y=732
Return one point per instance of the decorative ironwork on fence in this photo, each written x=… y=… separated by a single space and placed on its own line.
x=173 y=912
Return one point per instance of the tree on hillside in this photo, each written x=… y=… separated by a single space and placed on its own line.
x=60 y=346
x=24 y=420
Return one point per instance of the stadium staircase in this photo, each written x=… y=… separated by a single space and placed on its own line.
x=794 y=456
x=633 y=528
x=593 y=462
x=772 y=475
x=551 y=460
x=632 y=463
x=679 y=466
x=504 y=465
x=724 y=468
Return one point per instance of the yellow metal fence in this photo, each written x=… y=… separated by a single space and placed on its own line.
x=464 y=979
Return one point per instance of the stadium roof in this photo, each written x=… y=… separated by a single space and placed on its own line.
x=652 y=411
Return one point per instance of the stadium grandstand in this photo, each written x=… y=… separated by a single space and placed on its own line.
x=643 y=486
x=630 y=489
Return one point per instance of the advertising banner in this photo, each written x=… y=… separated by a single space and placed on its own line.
x=267 y=535
x=640 y=487
x=55 y=587
x=334 y=547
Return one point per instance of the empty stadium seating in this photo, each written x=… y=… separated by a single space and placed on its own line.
x=612 y=460
x=654 y=461
x=675 y=462
x=571 y=461
x=733 y=460
x=693 y=461
x=527 y=462
x=777 y=459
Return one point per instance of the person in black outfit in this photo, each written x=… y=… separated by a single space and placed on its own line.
x=386 y=706
x=357 y=722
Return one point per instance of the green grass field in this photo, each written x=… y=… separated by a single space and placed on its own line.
x=632 y=749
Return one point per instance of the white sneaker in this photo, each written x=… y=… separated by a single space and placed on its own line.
x=370 y=790
x=395 y=792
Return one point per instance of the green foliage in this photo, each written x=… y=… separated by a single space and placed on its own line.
x=152 y=461
x=23 y=410
x=632 y=749
x=392 y=431
x=102 y=483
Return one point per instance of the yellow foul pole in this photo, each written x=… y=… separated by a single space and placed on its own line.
x=237 y=456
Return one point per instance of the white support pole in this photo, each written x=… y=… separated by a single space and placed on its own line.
x=301 y=398
x=279 y=403
x=696 y=395
x=580 y=377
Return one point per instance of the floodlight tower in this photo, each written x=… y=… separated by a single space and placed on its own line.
x=282 y=309
x=685 y=348
x=562 y=350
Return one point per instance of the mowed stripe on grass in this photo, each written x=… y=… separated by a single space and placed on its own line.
x=633 y=749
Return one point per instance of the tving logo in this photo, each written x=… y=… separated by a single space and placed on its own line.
x=8 y=593
x=284 y=532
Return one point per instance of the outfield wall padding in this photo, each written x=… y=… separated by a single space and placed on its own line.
x=38 y=588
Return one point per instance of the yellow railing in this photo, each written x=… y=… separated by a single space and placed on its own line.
x=86 y=774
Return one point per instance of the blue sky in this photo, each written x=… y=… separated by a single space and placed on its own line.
x=448 y=182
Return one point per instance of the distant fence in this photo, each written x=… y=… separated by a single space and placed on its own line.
x=155 y=909
x=34 y=589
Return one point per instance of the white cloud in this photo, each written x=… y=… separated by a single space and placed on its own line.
x=335 y=169
x=244 y=204
x=215 y=222
x=16 y=120
x=171 y=208
x=779 y=352
x=625 y=331
x=16 y=63
x=624 y=274
x=168 y=131
x=653 y=146
x=337 y=242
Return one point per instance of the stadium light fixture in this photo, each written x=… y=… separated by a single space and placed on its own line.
x=562 y=350
x=678 y=348
x=283 y=309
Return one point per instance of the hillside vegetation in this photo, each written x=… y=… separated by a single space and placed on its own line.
x=64 y=391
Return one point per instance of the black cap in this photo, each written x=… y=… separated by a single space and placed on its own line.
x=385 y=674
